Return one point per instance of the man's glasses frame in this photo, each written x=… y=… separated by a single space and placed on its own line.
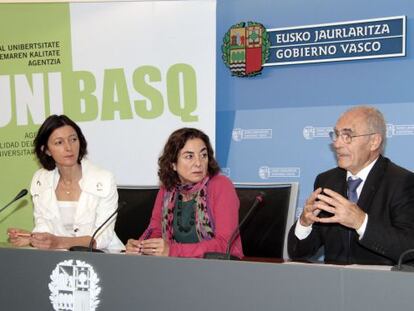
x=345 y=136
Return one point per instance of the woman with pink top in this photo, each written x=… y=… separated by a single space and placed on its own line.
x=196 y=209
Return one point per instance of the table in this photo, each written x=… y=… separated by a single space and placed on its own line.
x=130 y=282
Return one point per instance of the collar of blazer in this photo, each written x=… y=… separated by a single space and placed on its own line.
x=372 y=183
x=95 y=180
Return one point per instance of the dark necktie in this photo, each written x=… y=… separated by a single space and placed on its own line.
x=352 y=187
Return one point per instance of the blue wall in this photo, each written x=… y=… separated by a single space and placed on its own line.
x=284 y=101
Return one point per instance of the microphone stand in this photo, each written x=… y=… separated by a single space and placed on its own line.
x=90 y=247
x=21 y=194
x=236 y=232
x=405 y=268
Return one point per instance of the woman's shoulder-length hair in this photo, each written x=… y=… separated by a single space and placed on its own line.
x=52 y=123
x=168 y=176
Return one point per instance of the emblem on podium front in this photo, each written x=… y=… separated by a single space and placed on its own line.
x=74 y=286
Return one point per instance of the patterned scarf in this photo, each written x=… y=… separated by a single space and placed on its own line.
x=203 y=219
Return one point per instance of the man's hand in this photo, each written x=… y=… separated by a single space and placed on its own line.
x=310 y=212
x=344 y=211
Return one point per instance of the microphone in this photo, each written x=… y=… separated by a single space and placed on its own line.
x=21 y=194
x=406 y=267
x=226 y=256
x=90 y=248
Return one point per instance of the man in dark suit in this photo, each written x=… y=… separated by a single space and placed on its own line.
x=362 y=211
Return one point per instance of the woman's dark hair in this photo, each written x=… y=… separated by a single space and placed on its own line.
x=168 y=177
x=52 y=123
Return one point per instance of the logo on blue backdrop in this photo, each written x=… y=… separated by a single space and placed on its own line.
x=246 y=49
x=239 y=134
x=266 y=172
x=400 y=130
x=225 y=171
x=311 y=132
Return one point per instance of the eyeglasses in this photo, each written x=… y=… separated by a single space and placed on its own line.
x=345 y=136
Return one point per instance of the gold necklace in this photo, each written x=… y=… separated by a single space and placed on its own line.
x=66 y=187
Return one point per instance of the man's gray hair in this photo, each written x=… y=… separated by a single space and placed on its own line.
x=375 y=121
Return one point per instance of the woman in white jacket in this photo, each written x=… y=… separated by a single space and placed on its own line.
x=71 y=196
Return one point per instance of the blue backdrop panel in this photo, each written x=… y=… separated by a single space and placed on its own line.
x=292 y=144
x=281 y=118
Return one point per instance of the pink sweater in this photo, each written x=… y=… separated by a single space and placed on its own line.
x=224 y=205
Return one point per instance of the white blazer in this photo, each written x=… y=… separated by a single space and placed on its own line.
x=98 y=200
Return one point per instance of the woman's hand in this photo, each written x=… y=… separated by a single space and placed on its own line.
x=45 y=240
x=133 y=246
x=19 y=237
x=155 y=247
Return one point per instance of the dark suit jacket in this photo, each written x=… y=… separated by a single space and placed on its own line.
x=388 y=199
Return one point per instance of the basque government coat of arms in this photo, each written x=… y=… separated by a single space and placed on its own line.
x=74 y=287
x=245 y=49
